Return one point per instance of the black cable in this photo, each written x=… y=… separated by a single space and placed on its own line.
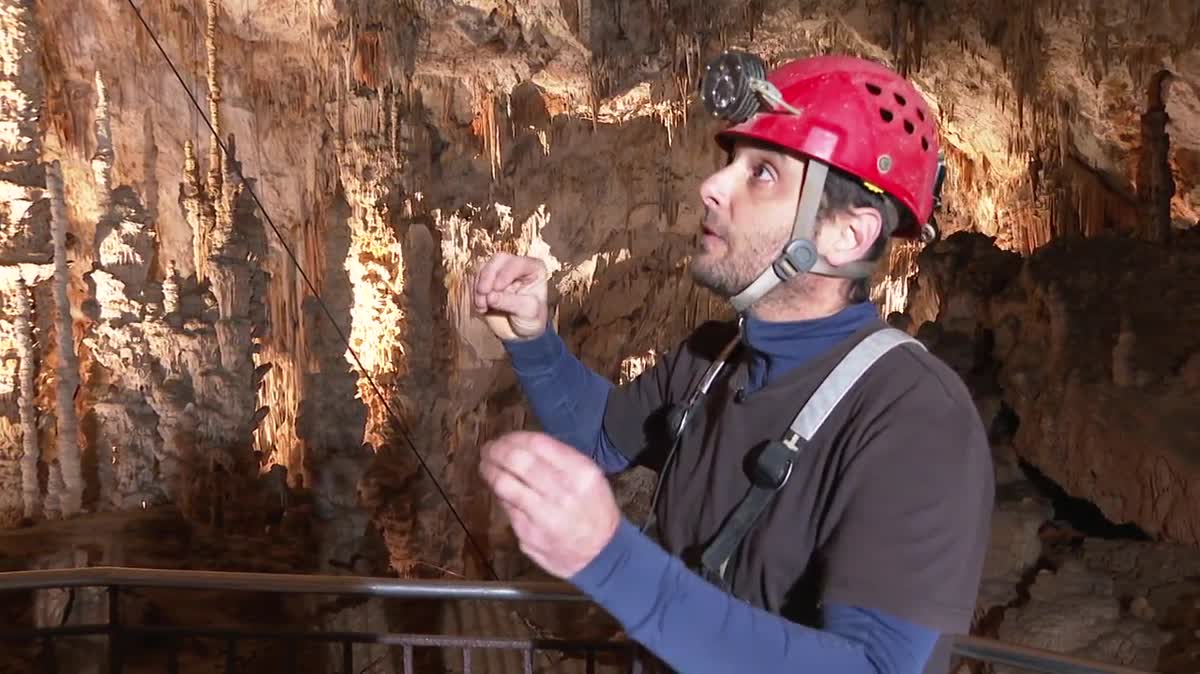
x=395 y=418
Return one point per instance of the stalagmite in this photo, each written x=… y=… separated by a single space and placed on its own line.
x=122 y=423
x=68 y=365
x=30 y=491
x=170 y=289
x=197 y=209
x=102 y=160
x=56 y=491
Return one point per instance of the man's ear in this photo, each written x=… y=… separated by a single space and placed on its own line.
x=850 y=235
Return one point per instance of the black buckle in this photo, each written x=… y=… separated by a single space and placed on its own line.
x=772 y=467
x=798 y=257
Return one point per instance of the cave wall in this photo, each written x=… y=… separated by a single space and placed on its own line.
x=393 y=145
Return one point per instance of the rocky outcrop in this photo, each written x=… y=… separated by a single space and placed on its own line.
x=1074 y=611
x=1047 y=346
x=1092 y=345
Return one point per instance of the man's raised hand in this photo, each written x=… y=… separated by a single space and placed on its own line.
x=510 y=292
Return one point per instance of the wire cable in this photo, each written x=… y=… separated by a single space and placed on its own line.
x=370 y=380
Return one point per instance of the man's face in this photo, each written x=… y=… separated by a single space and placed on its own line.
x=749 y=208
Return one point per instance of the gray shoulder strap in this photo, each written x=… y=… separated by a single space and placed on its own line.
x=774 y=465
x=842 y=378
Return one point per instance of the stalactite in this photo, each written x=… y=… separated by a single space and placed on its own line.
x=68 y=364
x=1156 y=185
x=488 y=131
x=214 y=100
x=1088 y=203
x=908 y=35
x=584 y=8
x=30 y=490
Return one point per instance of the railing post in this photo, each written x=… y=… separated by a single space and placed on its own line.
x=292 y=657
x=48 y=657
x=231 y=657
x=173 y=656
x=115 y=645
x=408 y=659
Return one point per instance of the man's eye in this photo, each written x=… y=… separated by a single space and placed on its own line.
x=763 y=172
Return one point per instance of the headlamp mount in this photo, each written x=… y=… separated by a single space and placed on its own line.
x=930 y=232
x=735 y=87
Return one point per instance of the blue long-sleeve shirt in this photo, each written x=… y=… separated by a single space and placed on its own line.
x=684 y=620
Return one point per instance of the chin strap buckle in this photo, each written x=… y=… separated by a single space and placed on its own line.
x=798 y=257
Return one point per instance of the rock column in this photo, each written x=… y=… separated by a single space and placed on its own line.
x=70 y=501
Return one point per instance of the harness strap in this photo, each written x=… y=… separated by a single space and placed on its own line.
x=678 y=417
x=774 y=464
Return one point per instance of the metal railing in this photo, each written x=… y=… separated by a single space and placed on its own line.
x=121 y=635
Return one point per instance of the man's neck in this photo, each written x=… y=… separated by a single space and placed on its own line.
x=786 y=305
x=779 y=346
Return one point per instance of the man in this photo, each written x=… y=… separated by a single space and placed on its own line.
x=871 y=541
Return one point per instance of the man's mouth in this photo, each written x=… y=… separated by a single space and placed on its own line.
x=709 y=237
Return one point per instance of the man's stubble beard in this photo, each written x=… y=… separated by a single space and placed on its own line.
x=714 y=275
x=730 y=271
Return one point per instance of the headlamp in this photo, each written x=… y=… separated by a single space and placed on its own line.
x=726 y=87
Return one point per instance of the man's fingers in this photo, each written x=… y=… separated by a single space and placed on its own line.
x=525 y=526
x=485 y=279
x=505 y=274
x=531 y=458
x=522 y=306
x=526 y=270
x=509 y=488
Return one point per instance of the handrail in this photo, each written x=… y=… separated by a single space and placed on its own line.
x=287 y=583
x=1034 y=659
x=976 y=648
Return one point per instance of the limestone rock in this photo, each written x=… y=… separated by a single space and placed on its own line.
x=1016 y=547
x=1075 y=611
x=1095 y=372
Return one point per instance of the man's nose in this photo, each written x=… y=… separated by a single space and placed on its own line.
x=714 y=191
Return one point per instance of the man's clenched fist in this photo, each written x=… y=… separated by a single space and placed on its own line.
x=559 y=502
x=510 y=292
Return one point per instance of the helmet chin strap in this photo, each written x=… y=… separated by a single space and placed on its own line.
x=800 y=256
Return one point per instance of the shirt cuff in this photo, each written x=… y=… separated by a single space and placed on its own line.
x=532 y=356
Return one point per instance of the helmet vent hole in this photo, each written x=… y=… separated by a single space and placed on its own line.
x=908 y=127
x=924 y=143
x=885 y=114
x=900 y=99
x=874 y=89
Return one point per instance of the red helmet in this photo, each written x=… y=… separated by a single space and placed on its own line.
x=860 y=117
